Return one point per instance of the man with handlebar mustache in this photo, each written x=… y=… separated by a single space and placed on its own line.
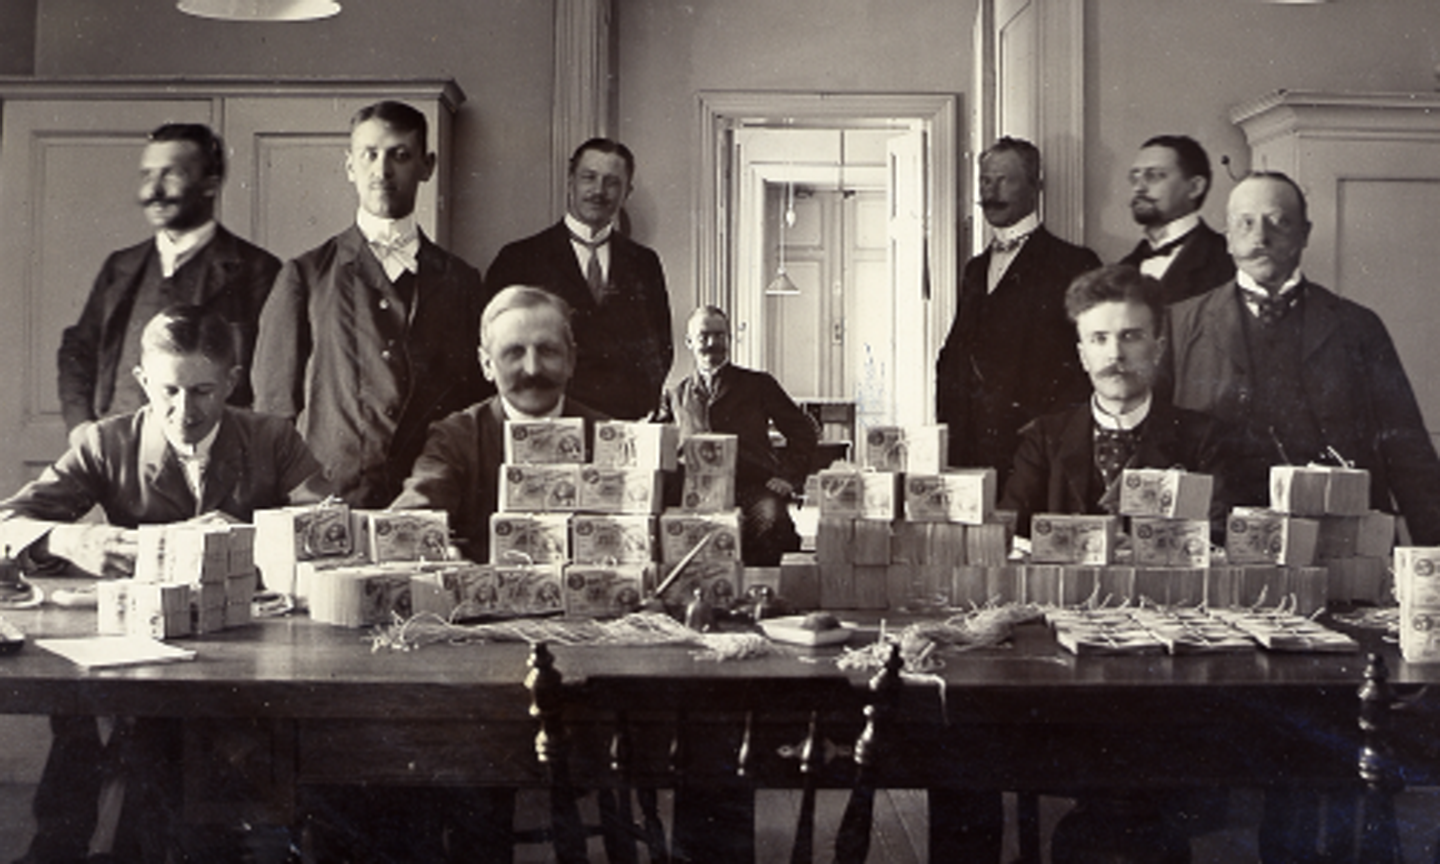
x=191 y=260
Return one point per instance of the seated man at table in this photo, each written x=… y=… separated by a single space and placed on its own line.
x=528 y=351
x=184 y=453
x=1071 y=461
x=724 y=398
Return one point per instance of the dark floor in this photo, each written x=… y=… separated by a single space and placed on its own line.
x=900 y=828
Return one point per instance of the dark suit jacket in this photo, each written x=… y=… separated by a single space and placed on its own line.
x=459 y=470
x=124 y=464
x=1055 y=463
x=1202 y=263
x=626 y=344
x=1010 y=355
x=744 y=403
x=362 y=380
x=1353 y=382
x=234 y=283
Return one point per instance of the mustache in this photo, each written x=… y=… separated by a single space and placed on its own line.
x=991 y=203
x=1141 y=199
x=534 y=382
x=151 y=200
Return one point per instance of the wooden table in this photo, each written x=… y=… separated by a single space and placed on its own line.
x=287 y=702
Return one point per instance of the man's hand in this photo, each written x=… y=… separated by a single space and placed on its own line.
x=101 y=550
x=780 y=486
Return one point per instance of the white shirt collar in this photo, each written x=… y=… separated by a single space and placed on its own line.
x=580 y=229
x=1249 y=285
x=177 y=247
x=1025 y=227
x=513 y=413
x=1172 y=230
x=1121 y=422
x=395 y=242
x=199 y=451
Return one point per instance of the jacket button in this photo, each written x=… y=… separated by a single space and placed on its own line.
x=385 y=355
x=384 y=304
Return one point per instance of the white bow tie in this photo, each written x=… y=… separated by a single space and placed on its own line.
x=397 y=254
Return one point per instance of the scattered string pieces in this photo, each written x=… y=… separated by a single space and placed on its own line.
x=635 y=629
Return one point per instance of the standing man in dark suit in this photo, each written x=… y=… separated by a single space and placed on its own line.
x=1301 y=374
x=1168 y=184
x=192 y=259
x=615 y=285
x=722 y=397
x=1008 y=358
x=370 y=337
x=1071 y=461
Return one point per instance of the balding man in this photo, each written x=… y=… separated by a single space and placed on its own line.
x=528 y=351
x=1301 y=374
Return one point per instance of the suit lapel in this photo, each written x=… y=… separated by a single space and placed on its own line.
x=1223 y=322
x=1077 y=456
x=220 y=261
x=160 y=470
x=1158 y=440
x=226 y=467
x=1319 y=322
x=574 y=288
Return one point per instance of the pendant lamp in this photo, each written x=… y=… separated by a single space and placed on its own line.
x=782 y=285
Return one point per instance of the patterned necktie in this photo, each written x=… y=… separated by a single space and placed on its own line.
x=1009 y=245
x=1269 y=310
x=594 y=276
x=1113 y=451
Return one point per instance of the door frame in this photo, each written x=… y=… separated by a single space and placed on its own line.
x=715 y=183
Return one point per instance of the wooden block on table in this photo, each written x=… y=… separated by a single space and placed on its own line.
x=800 y=580
x=1070 y=539
x=946 y=543
x=1256 y=536
x=1359 y=580
x=1042 y=584
x=1164 y=542
x=1116 y=584
x=1188 y=586
x=545 y=442
x=680 y=530
x=1003 y=584
x=620 y=490
x=899 y=585
x=711 y=454
x=539 y=488
x=1257 y=585
x=871 y=544
x=1153 y=584
x=612 y=538
x=1298 y=490
x=837 y=585
x=707 y=493
x=1347 y=491
x=964 y=495
x=908 y=542
x=1077 y=584
x=1310 y=586
x=989 y=544
x=968 y=586
x=841 y=493
x=1371 y=535
x=604 y=591
x=913 y=449
x=834 y=540
x=871 y=586
x=1165 y=493
x=882 y=495
x=406 y=535
x=628 y=444
x=533 y=589
x=529 y=538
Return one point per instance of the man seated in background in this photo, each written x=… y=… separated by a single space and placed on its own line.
x=724 y=398
x=528 y=352
x=1071 y=461
x=183 y=454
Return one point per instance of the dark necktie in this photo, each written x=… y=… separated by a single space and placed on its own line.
x=1270 y=310
x=1009 y=245
x=1113 y=450
x=594 y=276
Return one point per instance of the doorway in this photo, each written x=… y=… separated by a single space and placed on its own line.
x=871 y=251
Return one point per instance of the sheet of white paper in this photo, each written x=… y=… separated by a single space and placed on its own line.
x=96 y=652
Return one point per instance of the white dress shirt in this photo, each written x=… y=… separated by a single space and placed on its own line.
x=395 y=242
x=177 y=247
x=1000 y=260
x=1171 y=232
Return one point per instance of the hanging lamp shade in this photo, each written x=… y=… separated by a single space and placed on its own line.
x=781 y=284
x=260 y=10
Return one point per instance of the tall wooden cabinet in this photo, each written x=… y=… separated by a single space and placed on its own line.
x=69 y=156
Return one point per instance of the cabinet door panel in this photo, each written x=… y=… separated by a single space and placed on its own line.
x=68 y=181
